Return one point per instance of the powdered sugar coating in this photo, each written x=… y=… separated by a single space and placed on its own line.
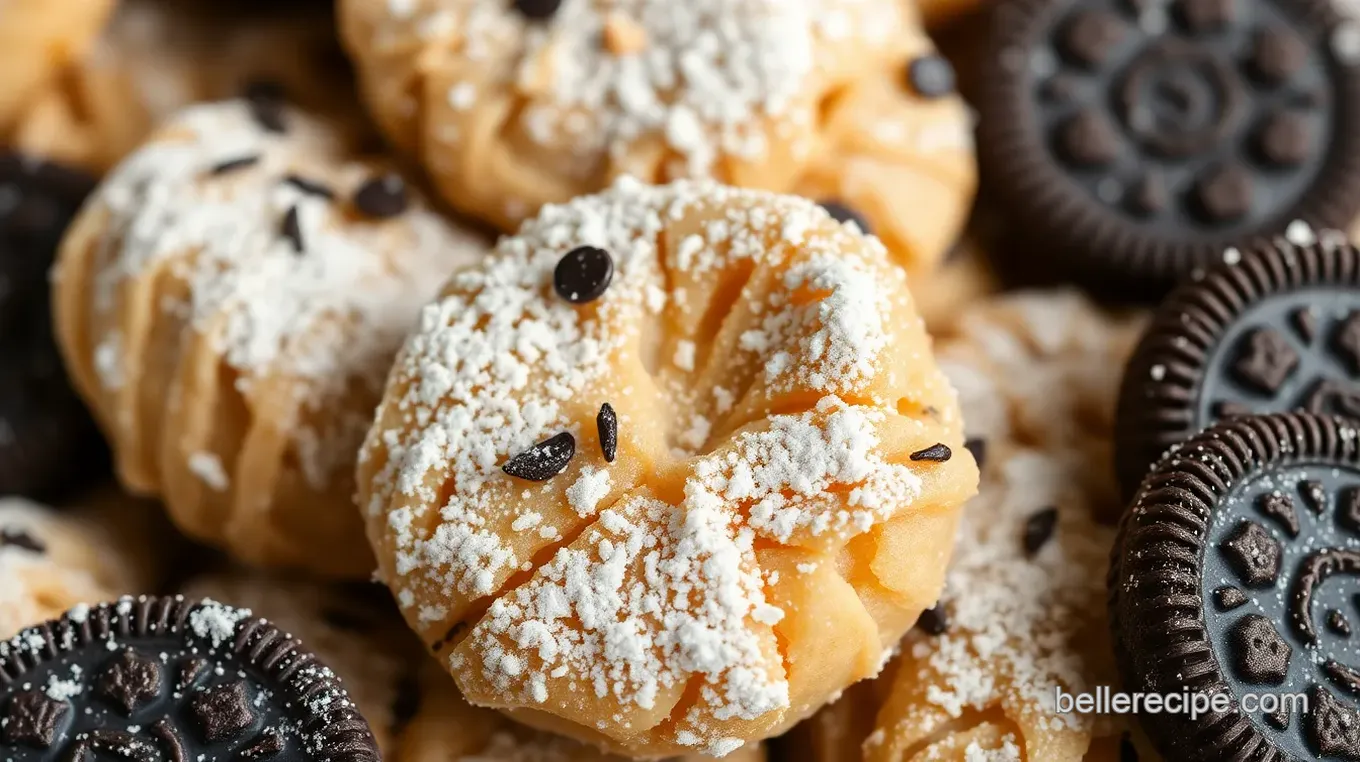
x=508 y=112
x=662 y=581
x=210 y=273
x=1021 y=625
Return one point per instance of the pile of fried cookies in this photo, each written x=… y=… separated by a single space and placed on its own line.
x=807 y=380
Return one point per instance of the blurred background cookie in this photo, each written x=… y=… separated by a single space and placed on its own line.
x=103 y=545
x=155 y=57
x=229 y=303
x=510 y=105
x=38 y=38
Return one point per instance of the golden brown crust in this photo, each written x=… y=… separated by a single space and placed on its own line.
x=231 y=326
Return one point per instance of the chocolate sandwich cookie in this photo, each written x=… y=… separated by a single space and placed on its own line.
x=46 y=437
x=171 y=680
x=1274 y=329
x=1131 y=142
x=1236 y=572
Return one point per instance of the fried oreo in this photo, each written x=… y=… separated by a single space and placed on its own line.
x=1234 y=573
x=1276 y=328
x=150 y=679
x=47 y=440
x=1131 y=142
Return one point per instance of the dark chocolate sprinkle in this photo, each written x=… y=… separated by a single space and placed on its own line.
x=1039 y=528
x=18 y=538
x=607 y=424
x=843 y=214
x=544 y=460
x=266 y=101
x=231 y=165
x=310 y=187
x=1127 y=751
x=1337 y=623
x=931 y=76
x=266 y=745
x=934 y=620
x=292 y=229
x=978 y=447
x=583 y=274
x=382 y=197
x=937 y=452
x=538 y=10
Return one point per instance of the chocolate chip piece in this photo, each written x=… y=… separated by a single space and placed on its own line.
x=1039 y=529
x=978 y=447
x=1208 y=15
x=934 y=620
x=1346 y=341
x=310 y=187
x=292 y=229
x=266 y=102
x=238 y=681
x=1127 y=751
x=537 y=10
x=1149 y=195
x=544 y=460
x=1314 y=495
x=231 y=165
x=382 y=197
x=931 y=76
x=607 y=425
x=19 y=538
x=843 y=214
x=937 y=452
x=1333 y=727
x=583 y=274
x=1304 y=320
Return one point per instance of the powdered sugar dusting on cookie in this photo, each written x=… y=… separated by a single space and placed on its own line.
x=643 y=592
x=709 y=77
x=1021 y=624
x=328 y=316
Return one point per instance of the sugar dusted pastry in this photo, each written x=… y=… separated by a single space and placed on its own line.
x=229 y=302
x=353 y=628
x=1023 y=612
x=670 y=468
x=513 y=104
x=105 y=546
x=38 y=37
x=448 y=729
x=155 y=57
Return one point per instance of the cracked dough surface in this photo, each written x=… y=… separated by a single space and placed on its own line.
x=1018 y=626
x=230 y=315
x=807 y=96
x=787 y=485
